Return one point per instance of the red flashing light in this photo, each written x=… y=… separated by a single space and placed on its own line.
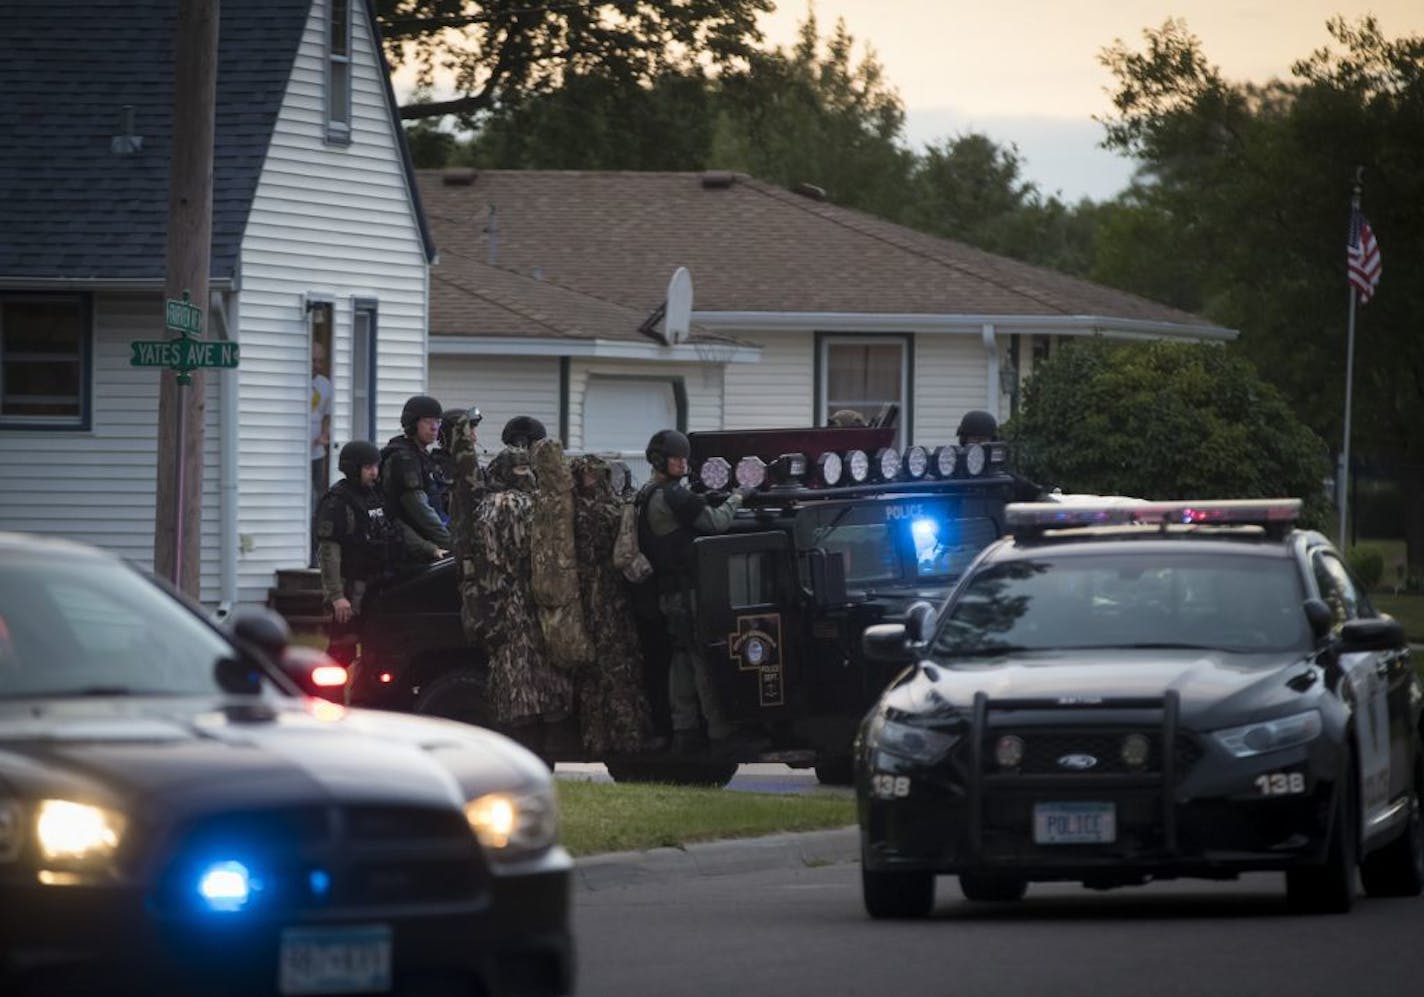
x=386 y=678
x=328 y=676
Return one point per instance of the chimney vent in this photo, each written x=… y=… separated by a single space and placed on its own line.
x=718 y=179
x=459 y=176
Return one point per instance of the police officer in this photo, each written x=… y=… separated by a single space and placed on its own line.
x=355 y=543
x=522 y=431
x=979 y=426
x=443 y=456
x=670 y=517
x=408 y=476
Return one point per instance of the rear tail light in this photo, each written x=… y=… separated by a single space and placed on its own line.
x=328 y=676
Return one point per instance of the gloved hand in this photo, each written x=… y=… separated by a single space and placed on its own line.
x=744 y=491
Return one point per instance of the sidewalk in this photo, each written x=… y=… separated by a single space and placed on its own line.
x=717 y=858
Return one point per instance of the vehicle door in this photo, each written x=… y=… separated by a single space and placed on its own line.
x=747 y=620
x=1377 y=679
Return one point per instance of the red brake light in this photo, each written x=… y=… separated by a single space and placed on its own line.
x=328 y=676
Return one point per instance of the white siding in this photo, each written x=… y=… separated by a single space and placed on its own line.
x=502 y=387
x=950 y=379
x=777 y=391
x=99 y=486
x=335 y=220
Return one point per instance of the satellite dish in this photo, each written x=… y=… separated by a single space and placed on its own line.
x=677 y=320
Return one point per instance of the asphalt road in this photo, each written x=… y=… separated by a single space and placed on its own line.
x=795 y=931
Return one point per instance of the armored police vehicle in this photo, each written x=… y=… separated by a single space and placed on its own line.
x=843 y=531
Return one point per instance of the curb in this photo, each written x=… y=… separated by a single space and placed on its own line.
x=717 y=858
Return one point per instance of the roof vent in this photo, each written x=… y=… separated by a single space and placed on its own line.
x=459 y=176
x=718 y=179
x=810 y=190
x=126 y=143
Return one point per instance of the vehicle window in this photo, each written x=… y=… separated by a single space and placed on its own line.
x=1338 y=589
x=750 y=579
x=944 y=547
x=892 y=541
x=1193 y=599
x=70 y=627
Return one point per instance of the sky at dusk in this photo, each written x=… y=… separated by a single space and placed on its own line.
x=1026 y=72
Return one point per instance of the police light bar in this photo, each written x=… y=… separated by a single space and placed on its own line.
x=1033 y=516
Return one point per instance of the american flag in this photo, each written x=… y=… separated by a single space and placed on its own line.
x=1363 y=257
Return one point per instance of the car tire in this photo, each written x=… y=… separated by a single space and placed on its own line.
x=457 y=695
x=988 y=887
x=1397 y=869
x=897 y=894
x=836 y=771
x=677 y=771
x=1330 y=888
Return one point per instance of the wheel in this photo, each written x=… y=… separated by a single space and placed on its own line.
x=677 y=771
x=988 y=887
x=837 y=770
x=456 y=695
x=896 y=894
x=1330 y=888
x=1397 y=869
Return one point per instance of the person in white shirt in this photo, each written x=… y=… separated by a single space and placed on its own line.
x=320 y=420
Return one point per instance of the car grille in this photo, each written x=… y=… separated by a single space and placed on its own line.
x=1045 y=747
x=333 y=858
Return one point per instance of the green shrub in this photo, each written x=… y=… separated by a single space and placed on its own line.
x=1368 y=565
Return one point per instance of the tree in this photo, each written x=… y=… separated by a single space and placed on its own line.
x=1165 y=420
x=503 y=51
x=1242 y=211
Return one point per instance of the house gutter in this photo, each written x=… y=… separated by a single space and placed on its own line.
x=99 y=283
x=511 y=346
x=225 y=311
x=969 y=325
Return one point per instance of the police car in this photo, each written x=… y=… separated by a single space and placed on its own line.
x=1123 y=692
x=175 y=818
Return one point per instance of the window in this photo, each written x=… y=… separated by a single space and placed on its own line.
x=1338 y=589
x=338 y=71
x=363 y=372
x=864 y=374
x=44 y=361
x=750 y=579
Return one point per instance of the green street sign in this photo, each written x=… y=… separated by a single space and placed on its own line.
x=183 y=354
x=184 y=317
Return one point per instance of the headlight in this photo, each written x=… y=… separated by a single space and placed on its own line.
x=1271 y=735
x=77 y=832
x=513 y=825
x=919 y=744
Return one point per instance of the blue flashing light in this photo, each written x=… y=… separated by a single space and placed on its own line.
x=227 y=886
x=320 y=882
x=924 y=531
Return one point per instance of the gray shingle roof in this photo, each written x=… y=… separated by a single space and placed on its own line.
x=751 y=247
x=69 y=206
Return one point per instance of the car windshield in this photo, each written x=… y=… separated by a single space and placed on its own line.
x=891 y=541
x=1190 y=599
x=93 y=626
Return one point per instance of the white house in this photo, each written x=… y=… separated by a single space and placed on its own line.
x=318 y=234
x=798 y=308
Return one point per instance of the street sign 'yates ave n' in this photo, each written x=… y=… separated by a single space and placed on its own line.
x=185 y=353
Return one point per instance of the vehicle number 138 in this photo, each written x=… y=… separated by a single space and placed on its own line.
x=1280 y=783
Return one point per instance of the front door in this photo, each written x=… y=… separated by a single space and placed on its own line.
x=748 y=620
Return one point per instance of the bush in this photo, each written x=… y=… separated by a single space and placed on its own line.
x=1367 y=563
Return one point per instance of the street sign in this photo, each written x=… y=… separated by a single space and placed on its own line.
x=183 y=354
x=184 y=317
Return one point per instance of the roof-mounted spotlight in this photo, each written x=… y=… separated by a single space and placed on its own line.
x=887 y=464
x=917 y=462
x=943 y=461
x=751 y=472
x=788 y=469
x=829 y=468
x=857 y=465
x=714 y=473
x=976 y=458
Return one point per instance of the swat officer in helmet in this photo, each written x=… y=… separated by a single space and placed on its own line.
x=979 y=426
x=356 y=545
x=452 y=422
x=408 y=477
x=670 y=517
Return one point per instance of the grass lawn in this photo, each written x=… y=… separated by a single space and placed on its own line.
x=1407 y=608
x=616 y=817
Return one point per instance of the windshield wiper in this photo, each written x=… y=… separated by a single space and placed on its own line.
x=984 y=652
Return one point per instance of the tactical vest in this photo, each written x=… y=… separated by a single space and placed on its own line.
x=373 y=545
x=401 y=458
x=670 y=554
x=441 y=483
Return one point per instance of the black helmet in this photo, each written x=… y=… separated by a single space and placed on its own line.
x=664 y=444
x=356 y=455
x=978 y=423
x=419 y=407
x=522 y=430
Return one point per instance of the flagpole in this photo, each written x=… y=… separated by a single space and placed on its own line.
x=1344 y=476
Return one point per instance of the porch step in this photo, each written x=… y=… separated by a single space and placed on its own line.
x=296 y=596
x=299 y=580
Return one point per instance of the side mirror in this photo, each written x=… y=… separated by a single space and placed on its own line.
x=919 y=622
x=827 y=573
x=1318 y=615
x=238 y=677
x=263 y=629
x=1382 y=633
x=886 y=642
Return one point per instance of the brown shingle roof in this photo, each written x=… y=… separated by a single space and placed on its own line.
x=750 y=246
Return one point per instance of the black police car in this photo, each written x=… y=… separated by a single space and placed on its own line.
x=1118 y=693
x=174 y=818
x=843 y=531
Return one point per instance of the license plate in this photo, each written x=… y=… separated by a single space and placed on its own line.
x=351 y=959
x=1074 y=823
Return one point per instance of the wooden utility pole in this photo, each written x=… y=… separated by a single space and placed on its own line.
x=179 y=508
